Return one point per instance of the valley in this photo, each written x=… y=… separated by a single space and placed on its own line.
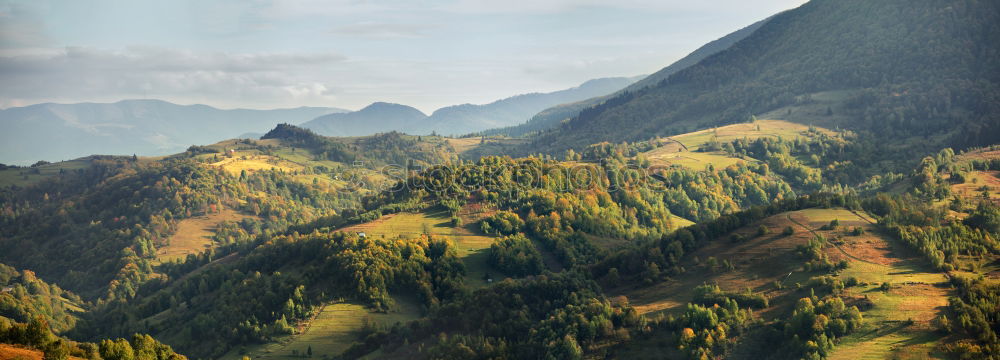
x=823 y=183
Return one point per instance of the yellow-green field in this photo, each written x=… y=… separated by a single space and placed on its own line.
x=473 y=248
x=331 y=331
x=758 y=129
x=978 y=181
x=194 y=235
x=682 y=149
x=295 y=161
x=251 y=162
x=30 y=175
x=917 y=293
x=492 y=145
x=680 y=222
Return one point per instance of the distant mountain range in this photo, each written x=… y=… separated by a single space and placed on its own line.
x=144 y=127
x=374 y=118
x=458 y=119
x=56 y=132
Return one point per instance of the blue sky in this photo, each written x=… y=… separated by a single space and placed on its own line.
x=343 y=53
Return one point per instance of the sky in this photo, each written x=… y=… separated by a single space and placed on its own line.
x=344 y=53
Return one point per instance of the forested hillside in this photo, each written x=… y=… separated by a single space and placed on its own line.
x=824 y=184
x=551 y=117
x=901 y=70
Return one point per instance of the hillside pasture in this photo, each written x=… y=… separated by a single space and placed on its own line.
x=683 y=149
x=472 y=247
x=24 y=176
x=194 y=235
x=759 y=261
x=976 y=183
x=332 y=330
x=917 y=293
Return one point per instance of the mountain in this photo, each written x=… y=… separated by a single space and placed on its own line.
x=375 y=118
x=144 y=127
x=468 y=118
x=458 y=119
x=917 y=70
x=792 y=212
x=551 y=117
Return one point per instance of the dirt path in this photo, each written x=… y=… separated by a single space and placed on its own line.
x=679 y=143
x=862 y=217
x=835 y=245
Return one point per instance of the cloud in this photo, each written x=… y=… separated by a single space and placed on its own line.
x=383 y=30
x=21 y=25
x=269 y=53
x=84 y=72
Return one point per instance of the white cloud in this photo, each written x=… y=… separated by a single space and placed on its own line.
x=20 y=25
x=345 y=53
x=81 y=72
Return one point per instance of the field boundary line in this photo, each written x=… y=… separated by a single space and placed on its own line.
x=835 y=244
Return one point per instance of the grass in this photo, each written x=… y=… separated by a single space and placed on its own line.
x=977 y=180
x=254 y=162
x=289 y=160
x=194 y=235
x=682 y=150
x=338 y=325
x=680 y=222
x=918 y=292
x=473 y=248
x=333 y=329
x=761 y=128
x=759 y=260
x=32 y=175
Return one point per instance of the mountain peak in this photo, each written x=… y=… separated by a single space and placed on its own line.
x=387 y=106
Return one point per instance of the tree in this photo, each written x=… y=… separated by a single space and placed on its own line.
x=57 y=350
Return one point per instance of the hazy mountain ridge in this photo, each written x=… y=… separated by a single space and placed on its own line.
x=374 y=118
x=457 y=119
x=551 y=117
x=467 y=118
x=145 y=127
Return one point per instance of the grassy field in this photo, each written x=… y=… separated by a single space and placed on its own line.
x=917 y=292
x=31 y=175
x=337 y=325
x=977 y=182
x=682 y=149
x=471 y=246
x=252 y=162
x=194 y=235
x=680 y=222
x=759 y=261
x=333 y=329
